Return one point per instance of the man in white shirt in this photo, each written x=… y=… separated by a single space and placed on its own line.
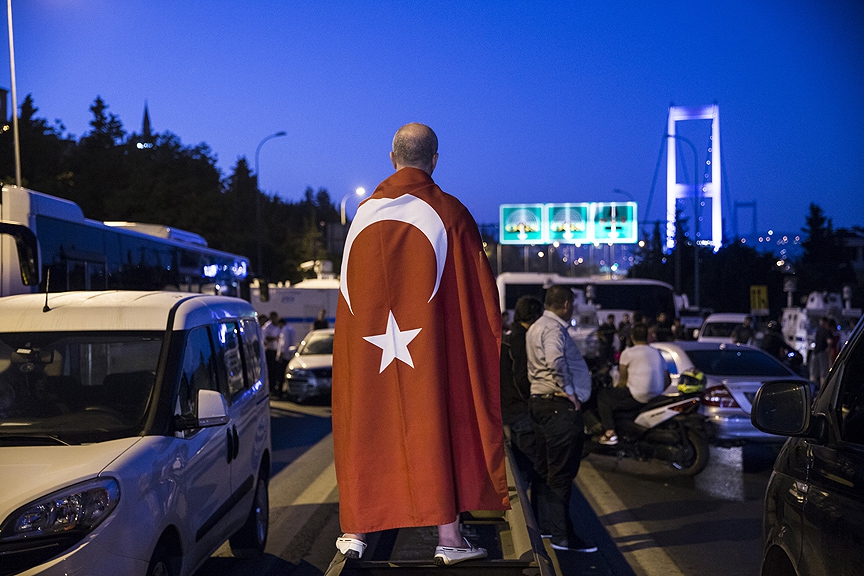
x=643 y=376
x=270 y=331
x=560 y=383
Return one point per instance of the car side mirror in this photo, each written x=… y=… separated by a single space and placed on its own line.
x=212 y=411
x=782 y=407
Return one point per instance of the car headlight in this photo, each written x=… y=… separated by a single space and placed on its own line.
x=75 y=509
x=298 y=373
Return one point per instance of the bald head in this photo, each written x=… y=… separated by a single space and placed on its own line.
x=415 y=146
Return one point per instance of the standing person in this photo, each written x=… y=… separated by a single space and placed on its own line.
x=560 y=383
x=416 y=393
x=606 y=333
x=642 y=376
x=287 y=339
x=743 y=333
x=321 y=321
x=515 y=387
x=819 y=362
x=664 y=328
x=270 y=332
x=624 y=328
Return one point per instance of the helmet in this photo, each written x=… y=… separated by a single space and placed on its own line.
x=691 y=380
x=773 y=326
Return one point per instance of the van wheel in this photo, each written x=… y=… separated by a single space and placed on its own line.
x=251 y=539
x=161 y=562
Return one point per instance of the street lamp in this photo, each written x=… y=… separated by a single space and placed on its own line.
x=14 y=96
x=695 y=218
x=260 y=262
x=358 y=192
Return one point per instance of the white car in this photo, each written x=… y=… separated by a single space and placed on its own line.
x=309 y=373
x=134 y=432
x=719 y=327
x=733 y=375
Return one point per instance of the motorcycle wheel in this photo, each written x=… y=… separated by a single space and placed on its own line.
x=693 y=457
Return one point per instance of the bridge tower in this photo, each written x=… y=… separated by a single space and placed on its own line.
x=705 y=188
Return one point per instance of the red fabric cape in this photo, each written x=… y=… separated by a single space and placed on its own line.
x=416 y=446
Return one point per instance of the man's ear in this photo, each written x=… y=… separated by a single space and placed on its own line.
x=434 y=163
x=393 y=161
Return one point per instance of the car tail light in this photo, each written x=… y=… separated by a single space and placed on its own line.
x=720 y=397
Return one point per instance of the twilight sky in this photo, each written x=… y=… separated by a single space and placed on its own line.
x=532 y=101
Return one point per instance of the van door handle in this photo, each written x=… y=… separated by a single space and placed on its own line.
x=231 y=449
x=236 y=442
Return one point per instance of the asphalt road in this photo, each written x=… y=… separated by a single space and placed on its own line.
x=643 y=522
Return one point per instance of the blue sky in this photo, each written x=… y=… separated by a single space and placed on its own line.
x=532 y=101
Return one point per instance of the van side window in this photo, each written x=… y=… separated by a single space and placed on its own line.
x=252 y=349
x=228 y=337
x=851 y=396
x=198 y=371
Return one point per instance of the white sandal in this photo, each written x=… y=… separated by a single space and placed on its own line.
x=351 y=547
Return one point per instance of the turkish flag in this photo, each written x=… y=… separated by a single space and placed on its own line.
x=416 y=411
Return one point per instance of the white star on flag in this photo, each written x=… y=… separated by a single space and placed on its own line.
x=393 y=343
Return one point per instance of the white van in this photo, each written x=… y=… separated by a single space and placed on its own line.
x=134 y=432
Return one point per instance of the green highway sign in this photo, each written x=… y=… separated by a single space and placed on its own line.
x=615 y=222
x=522 y=224
x=567 y=223
x=570 y=223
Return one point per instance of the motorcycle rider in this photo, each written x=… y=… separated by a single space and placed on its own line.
x=643 y=376
x=774 y=344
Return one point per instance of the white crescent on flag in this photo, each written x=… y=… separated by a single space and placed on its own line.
x=406 y=208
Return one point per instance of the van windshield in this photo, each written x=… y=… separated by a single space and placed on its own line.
x=75 y=387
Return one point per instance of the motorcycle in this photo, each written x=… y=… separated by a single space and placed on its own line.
x=667 y=429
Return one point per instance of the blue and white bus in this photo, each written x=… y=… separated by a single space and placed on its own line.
x=46 y=244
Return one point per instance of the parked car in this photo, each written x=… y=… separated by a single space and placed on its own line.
x=813 y=523
x=733 y=375
x=134 y=432
x=309 y=373
x=719 y=327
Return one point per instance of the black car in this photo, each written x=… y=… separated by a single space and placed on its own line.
x=814 y=503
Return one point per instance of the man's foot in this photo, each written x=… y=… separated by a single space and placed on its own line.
x=574 y=544
x=351 y=547
x=449 y=555
x=608 y=439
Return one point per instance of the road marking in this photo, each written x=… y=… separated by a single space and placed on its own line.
x=321 y=490
x=651 y=558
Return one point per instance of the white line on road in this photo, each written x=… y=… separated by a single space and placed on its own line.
x=650 y=560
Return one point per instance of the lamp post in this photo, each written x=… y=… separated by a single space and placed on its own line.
x=358 y=192
x=260 y=262
x=14 y=96
x=695 y=218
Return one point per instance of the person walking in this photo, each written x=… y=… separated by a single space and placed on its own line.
x=560 y=383
x=417 y=432
x=743 y=333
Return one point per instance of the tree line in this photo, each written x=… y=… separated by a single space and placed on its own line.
x=113 y=174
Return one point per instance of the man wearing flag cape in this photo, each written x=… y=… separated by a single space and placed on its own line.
x=416 y=411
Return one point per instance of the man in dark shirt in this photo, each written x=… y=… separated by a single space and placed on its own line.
x=515 y=387
x=606 y=338
x=743 y=334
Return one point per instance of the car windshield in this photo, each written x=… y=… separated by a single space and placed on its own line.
x=721 y=329
x=317 y=343
x=736 y=361
x=75 y=388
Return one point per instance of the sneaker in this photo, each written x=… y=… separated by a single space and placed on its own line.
x=577 y=546
x=448 y=555
x=607 y=440
x=351 y=547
